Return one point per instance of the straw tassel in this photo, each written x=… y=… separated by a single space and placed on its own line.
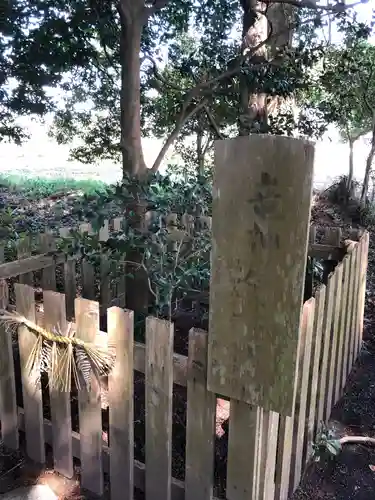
x=62 y=355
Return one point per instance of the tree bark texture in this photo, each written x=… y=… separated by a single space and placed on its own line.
x=132 y=19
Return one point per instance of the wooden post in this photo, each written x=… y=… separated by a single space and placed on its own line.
x=260 y=226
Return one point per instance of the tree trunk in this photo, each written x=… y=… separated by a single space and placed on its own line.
x=369 y=161
x=349 y=182
x=278 y=18
x=253 y=116
x=130 y=101
x=133 y=164
x=200 y=153
x=366 y=179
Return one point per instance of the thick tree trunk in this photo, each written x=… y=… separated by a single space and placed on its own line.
x=133 y=164
x=200 y=154
x=256 y=27
x=253 y=114
x=130 y=45
x=370 y=159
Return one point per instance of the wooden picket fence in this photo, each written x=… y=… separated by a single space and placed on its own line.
x=266 y=452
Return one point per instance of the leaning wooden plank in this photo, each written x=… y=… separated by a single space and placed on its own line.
x=200 y=422
x=55 y=319
x=311 y=424
x=325 y=251
x=47 y=244
x=242 y=449
x=24 y=251
x=120 y=395
x=31 y=388
x=332 y=360
x=159 y=383
x=29 y=264
x=90 y=415
x=263 y=271
x=70 y=286
x=8 y=403
x=88 y=270
x=302 y=384
x=326 y=343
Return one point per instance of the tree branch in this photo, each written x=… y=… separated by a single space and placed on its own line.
x=151 y=10
x=183 y=118
x=311 y=4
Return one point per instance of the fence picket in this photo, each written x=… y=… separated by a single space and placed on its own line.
x=121 y=413
x=159 y=384
x=55 y=317
x=350 y=287
x=316 y=352
x=31 y=388
x=302 y=381
x=200 y=422
x=24 y=251
x=353 y=310
x=343 y=346
x=358 y=277
x=332 y=360
x=270 y=472
x=70 y=286
x=88 y=271
x=283 y=459
x=326 y=339
x=243 y=446
x=263 y=438
x=105 y=278
x=364 y=262
x=47 y=243
x=120 y=292
x=90 y=415
x=8 y=403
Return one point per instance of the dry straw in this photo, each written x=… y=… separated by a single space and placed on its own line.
x=61 y=355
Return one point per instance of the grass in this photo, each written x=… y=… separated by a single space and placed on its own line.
x=39 y=187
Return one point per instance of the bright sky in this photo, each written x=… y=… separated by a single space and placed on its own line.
x=42 y=156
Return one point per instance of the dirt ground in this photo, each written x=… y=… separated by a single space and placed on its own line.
x=349 y=476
